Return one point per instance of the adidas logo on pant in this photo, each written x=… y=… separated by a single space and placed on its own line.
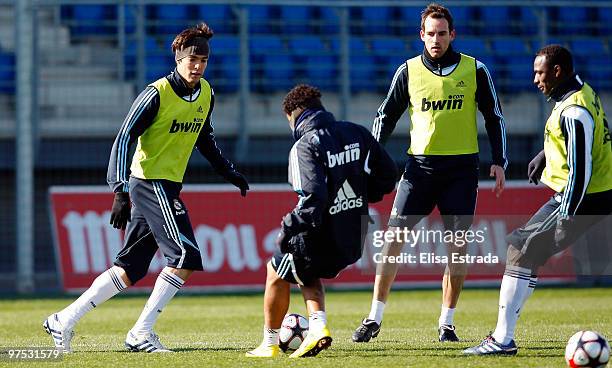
x=346 y=199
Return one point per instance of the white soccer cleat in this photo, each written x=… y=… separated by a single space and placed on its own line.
x=148 y=343
x=61 y=335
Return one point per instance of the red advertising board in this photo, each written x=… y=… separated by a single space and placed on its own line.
x=236 y=236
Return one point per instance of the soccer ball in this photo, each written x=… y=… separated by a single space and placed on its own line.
x=587 y=349
x=292 y=332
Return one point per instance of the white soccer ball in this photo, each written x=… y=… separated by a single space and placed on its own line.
x=587 y=349
x=292 y=332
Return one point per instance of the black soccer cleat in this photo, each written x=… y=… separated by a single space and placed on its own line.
x=369 y=329
x=446 y=333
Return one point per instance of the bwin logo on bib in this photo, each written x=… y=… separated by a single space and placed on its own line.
x=346 y=199
x=351 y=153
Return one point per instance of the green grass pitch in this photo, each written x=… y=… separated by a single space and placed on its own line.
x=215 y=331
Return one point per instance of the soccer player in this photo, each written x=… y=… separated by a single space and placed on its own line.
x=441 y=88
x=336 y=168
x=169 y=118
x=577 y=164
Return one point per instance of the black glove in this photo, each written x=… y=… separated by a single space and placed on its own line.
x=563 y=231
x=238 y=180
x=282 y=242
x=535 y=168
x=120 y=213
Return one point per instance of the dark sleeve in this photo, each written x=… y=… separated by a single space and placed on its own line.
x=393 y=106
x=578 y=127
x=489 y=106
x=382 y=172
x=307 y=176
x=140 y=117
x=207 y=145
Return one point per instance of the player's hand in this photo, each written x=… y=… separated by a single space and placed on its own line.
x=120 y=213
x=238 y=180
x=497 y=172
x=282 y=241
x=536 y=167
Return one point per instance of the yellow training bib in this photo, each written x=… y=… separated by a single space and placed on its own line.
x=166 y=146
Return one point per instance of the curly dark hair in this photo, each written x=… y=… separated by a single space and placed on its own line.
x=200 y=30
x=437 y=11
x=302 y=96
x=557 y=55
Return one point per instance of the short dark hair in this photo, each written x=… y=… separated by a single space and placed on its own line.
x=302 y=96
x=200 y=30
x=437 y=11
x=557 y=55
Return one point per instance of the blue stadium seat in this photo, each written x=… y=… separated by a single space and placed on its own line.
x=587 y=47
x=496 y=20
x=226 y=73
x=219 y=17
x=463 y=19
x=130 y=18
x=416 y=46
x=604 y=24
x=357 y=46
x=573 y=21
x=410 y=18
x=527 y=21
x=321 y=71
x=297 y=19
x=363 y=74
x=158 y=66
x=306 y=45
x=329 y=21
x=278 y=72
x=225 y=63
x=260 y=17
x=265 y=44
x=376 y=20
x=596 y=71
x=472 y=46
x=509 y=46
x=389 y=53
x=224 y=45
x=362 y=66
x=91 y=20
x=518 y=73
x=7 y=73
x=172 y=19
x=389 y=46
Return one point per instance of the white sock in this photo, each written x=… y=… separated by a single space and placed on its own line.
x=270 y=336
x=104 y=287
x=513 y=294
x=533 y=281
x=166 y=286
x=376 y=311
x=317 y=320
x=446 y=316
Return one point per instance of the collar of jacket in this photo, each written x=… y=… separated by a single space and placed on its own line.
x=311 y=119
x=566 y=88
x=179 y=85
x=450 y=57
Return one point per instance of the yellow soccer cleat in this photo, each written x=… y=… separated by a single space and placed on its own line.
x=315 y=342
x=263 y=351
